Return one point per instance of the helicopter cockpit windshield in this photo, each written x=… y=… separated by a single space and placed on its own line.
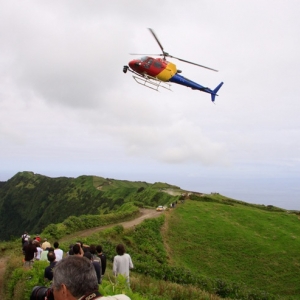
x=144 y=58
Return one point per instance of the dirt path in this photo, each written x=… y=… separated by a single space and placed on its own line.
x=2 y=272
x=144 y=214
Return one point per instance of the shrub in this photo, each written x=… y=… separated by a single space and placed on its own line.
x=73 y=224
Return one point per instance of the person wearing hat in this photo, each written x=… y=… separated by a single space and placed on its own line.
x=46 y=244
x=25 y=238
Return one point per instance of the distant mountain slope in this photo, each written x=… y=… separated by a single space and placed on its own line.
x=31 y=201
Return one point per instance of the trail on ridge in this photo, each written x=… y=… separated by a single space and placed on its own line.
x=144 y=214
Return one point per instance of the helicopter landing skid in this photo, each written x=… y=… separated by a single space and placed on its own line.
x=152 y=82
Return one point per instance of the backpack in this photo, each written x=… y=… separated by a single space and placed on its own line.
x=97 y=259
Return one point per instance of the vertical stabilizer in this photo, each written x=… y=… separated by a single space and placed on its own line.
x=214 y=92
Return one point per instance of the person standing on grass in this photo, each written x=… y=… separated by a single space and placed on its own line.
x=48 y=273
x=39 y=251
x=58 y=252
x=96 y=258
x=46 y=244
x=122 y=262
x=102 y=257
x=96 y=265
x=25 y=238
x=77 y=250
x=30 y=253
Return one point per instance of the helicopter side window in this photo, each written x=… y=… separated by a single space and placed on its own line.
x=148 y=63
x=157 y=64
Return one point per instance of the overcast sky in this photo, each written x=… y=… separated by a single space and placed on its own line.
x=67 y=109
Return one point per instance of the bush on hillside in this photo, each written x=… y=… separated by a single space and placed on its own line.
x=73 y=224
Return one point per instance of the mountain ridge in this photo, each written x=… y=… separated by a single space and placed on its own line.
x=30 y=201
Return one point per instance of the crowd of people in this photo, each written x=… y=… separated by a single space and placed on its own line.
x=80 y=259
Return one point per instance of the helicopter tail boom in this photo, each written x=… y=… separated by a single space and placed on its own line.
x=195 y=86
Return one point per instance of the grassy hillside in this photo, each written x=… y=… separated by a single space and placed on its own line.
x=31 y=201
x=199 y=250
x=151 y=278
x=239 y=243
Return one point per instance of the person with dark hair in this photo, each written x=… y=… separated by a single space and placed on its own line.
x=77 y=250
x=96 y=265
x=122 y=262
x=30 y=253
x=96 y=258
x=93 y=250
x=70 y=252
x=102 y=256
x=48 y=274
x=75 y=278
x=83 y=247
x=58 y=252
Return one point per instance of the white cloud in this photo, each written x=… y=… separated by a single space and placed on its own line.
x=66 y=108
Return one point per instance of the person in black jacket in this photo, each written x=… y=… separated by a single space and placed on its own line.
x=96 y=265
x=102 y=257
x=48 y=274
x=29 y=251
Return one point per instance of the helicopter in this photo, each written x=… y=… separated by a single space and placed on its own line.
x=157 y=73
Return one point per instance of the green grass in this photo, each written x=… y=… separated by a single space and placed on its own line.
x=210 y=250
x=210 y=243
x=108 y=184
x=237 y=243
x=144 y=243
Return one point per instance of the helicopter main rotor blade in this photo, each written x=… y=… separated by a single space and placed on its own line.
x=166 y=54
x=158 y=42
x=192 y=63
x=145 y=54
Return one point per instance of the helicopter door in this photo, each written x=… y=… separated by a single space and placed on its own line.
x=158 y=64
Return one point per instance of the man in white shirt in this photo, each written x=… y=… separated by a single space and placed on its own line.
x=122 y=262
x=58 y=252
